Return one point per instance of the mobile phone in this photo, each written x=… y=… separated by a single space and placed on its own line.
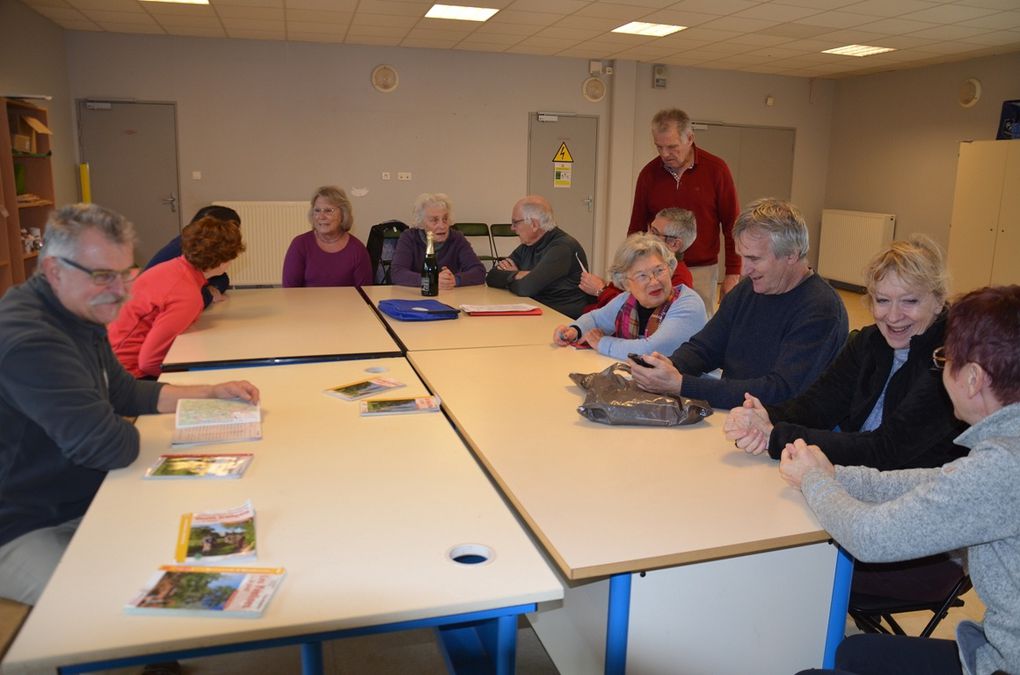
x=638 y=359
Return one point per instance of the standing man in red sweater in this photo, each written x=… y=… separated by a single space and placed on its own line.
x=686 y=176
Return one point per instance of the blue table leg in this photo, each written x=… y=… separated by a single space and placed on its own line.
x=837 y=607
x=617 y=624
x=311 y=658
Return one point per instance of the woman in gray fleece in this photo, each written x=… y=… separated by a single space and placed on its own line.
x=971 y=503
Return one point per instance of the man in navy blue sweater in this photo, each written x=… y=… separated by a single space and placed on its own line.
x=773 y=334
x=216 y=286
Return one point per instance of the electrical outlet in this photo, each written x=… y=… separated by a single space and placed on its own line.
x=385 y=175
x=404 y=175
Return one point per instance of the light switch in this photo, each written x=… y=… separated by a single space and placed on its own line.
x=385 y=175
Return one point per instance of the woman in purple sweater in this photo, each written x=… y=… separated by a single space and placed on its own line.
x=329 y=255
x=458 y=263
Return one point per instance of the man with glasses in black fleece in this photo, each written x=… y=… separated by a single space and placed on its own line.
x=63 y=392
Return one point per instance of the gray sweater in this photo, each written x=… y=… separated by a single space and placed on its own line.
x=971 y=503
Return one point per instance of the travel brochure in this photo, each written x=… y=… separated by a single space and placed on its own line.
x=200 y=466
x=185 y=590
x=363 y=388
x=217 y=536
x=399 y=406
x=516 y=309
x=215 y=420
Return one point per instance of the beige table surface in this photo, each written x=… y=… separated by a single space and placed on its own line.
x=604 y=499
x=470 y=331
x=281 y=323
x=360 y=511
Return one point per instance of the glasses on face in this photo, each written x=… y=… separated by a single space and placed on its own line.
x=327 y=210
x=659 y=272
x=515 y=223
x=104 y=277
x=671 y=241
x=938 y=358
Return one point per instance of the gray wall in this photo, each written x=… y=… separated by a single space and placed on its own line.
x=33 y=61
x=895 y=139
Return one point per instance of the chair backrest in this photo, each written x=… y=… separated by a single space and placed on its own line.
x=501 y=246
x=477 y=234
x=868 y=611
x=382 y=242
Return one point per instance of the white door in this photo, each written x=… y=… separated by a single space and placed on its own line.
x=131 y=149
x=561 y=168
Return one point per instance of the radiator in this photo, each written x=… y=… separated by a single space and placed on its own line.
x=267 y=229
x=849 y=239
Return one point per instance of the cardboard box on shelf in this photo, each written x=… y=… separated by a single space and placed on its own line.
x=30 y=128
x=21 y=143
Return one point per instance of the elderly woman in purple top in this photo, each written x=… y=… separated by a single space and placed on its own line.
x=329 y=255
x=458 y=263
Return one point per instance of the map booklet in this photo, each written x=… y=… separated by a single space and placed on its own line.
x=217 y=537
x=399 y=406
x=363 y=388
x=208 y=591
x=200 y=466
x=216 y=420
x=517 y=309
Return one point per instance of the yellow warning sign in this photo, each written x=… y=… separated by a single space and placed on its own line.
x=563 y=154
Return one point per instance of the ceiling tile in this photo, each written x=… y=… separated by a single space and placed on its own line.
x=717 y=7
x=573 y=34
x=1002 y=20
x=258 y=25
x=738 y=25
x=316 y=27
x=836 y=19
x=390 y=7
x=74 y=24
x=173 y=22
x=990 y=4
x=528 y=18
x=122 y=18
x=550 y=6
x=774 y=53
x=948 y=14
x=947 y=32
x=363 y=19
x=585 y=51
x=776 y=13
x=197 y=31
x=609 y=10
x=110 y=5
x=358 y=32
x=329 y=5
x=134 y=28
x=258 y=34
x=419 y=33
x=905 y=41
x=795 y=30
x=219 y=4
x=679 y=18
x=495 y=40
x=315 y=37
x=895 y=26
x=491 y=28
x=479 y=47
x=61 y=14
x=700 y=34
x=887 y=7
x=245 y=12
x=1001 y=37
x=818 y=4
x=166 y=9
x=47 y=3
x=377 y=41
x=588 y=23
x=539 y=51
x=422 y=43
x=318 y=16
x=853 y=37
x=762 y=40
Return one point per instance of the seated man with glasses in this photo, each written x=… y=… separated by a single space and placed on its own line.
x=674 y=226
x=63 y=392
x=649 y=315
x=547 y=266
x=773 y=334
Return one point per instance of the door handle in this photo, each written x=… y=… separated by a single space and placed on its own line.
x=588 y=201
x=170 y=201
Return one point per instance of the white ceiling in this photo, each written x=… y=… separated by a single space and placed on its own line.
x=761 y=36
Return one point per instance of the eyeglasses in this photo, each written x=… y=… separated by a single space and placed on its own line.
x=938 y=358
x=328 y=210
x=665 y=237
x=104 y=277
x=515 y=223
x=644 y=277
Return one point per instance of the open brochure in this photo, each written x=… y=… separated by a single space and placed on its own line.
x=216 y=420
x=200 y=466
x=362 y=388
x=208 y=591
x=516 y=309
x=217 y=536
x=399 y=406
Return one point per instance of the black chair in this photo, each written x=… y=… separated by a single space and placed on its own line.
x=474 y=232
x=382 y=242
x=500 y=232
x=869 y=611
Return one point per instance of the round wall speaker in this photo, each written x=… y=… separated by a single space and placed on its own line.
x=970 y=92
x=385 y=78
x=593 y=89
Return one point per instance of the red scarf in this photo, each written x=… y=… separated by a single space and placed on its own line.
x=627 y=318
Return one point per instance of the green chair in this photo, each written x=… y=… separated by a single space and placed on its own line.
x=500 y=232
x=477 y=235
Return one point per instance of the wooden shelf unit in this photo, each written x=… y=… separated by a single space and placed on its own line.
x=15 y=264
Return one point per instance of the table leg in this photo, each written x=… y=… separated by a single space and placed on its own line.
x=311 y=658
x=837 y=607
x=617 y=623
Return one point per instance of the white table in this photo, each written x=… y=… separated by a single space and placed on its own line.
x=362 y=513
x=469 y=331
x=281 y=325
x=739 y=574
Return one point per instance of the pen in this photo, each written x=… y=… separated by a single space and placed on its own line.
x=578 y=256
